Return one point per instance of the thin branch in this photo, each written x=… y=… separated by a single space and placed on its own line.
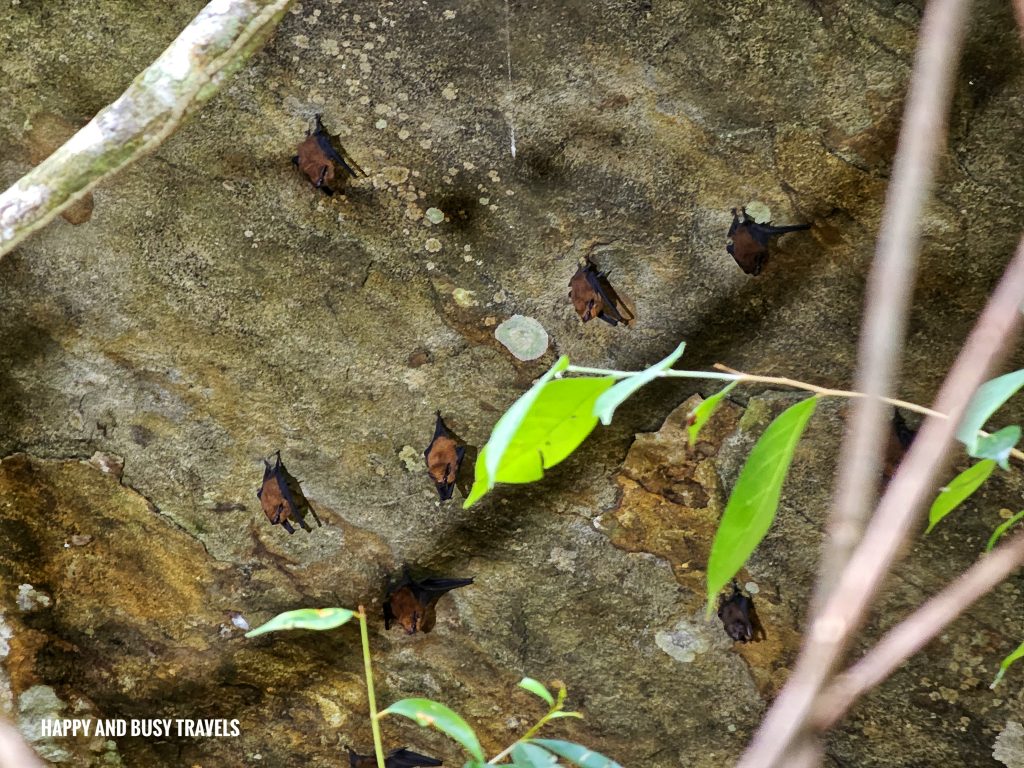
x=1018 y=9
x=915 y=632
x=922 y=138
x=787 y=723
x=210 y=49
x=14 y=751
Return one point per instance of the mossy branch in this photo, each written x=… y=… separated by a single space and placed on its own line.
x=214 y=45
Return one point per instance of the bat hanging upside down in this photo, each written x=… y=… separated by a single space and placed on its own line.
x=319 y=159
x=739 y=617
x=749 y=246
x=411 y=603
x=443 y=455
x=593 y=296
x=282 y=498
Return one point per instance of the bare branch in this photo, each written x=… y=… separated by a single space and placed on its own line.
x=192 y=69
x=893 y=271
x=833 y=627
x=914 y=633
x=14 y=751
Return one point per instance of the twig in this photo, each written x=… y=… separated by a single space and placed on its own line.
x=922 y=137
x=186 y=75
x=914 y=632
x=14 y=751
x=834 y=625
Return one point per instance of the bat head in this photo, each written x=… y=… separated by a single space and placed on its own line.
x=443 y=457
x=586 y=299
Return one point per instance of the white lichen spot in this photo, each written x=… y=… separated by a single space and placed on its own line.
x=404 y=134
x=30 y=599
x=758 y=211
x=523 y=336
x=468 y=165
x=412 y=458
x=300 y=41
x=467 y=258
x=248 y=233
x=499 y=297
x=450 y=92
x=395 y=174
x=463 y=297
x=430 y=265
x=493 y=176
x=433 y=245
x=1009 y=745
x=564 y=560
x=448 y=14
x=435 y=215
x=682 y=642
x=426 y=143
x=751 y=587
x=381 y=124
x=330 y=47
x=485 y=200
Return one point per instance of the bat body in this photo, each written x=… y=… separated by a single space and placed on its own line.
x=319 y=159
x=410 y=603
x=739 y=617
x=443 y=456
x=281 y=497
x=749 y=246
x=900 y=438
x=397 y=758
x=593 y=296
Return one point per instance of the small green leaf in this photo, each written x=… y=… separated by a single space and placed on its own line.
x=986 y=401
x=614 y=397
x=755 y=498
x=430 y=713
x=577 y=753
x=998 y=446
x=997 y=534
x=560 y=713
x=508 y=425
x=529 y=755
x=537 y=689
x=558 y=418
x=958 y=490
x=305 y=618
x=700 y=415
x=1005 y=665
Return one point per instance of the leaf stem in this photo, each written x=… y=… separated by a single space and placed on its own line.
x=724 y=373
x=526 y=736
x=378 y=746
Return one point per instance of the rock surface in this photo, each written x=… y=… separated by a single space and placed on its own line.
x=215 y=308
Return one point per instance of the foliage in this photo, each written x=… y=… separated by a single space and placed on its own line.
x=525 y=752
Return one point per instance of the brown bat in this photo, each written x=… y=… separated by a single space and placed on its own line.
x=739 y=617
x=593 y=296
x=900 y=438
x=749 y=246
x=320 y=159
x=443 y=455
x=397 y=758
x=411 y=603
x=282 y=498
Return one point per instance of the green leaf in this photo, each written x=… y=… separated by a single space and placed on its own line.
x=614 y=397
x=997 y=534
x=1005 y=665
x=537 y=689
x=700 y=415
x=531 y=756
x=998 y=446
x=986 y=401
x=958 y=490
x=305 y=618
x=755 y=498
x=430 y=713
x=558 y=417
x=560 y=713
x=577 y=753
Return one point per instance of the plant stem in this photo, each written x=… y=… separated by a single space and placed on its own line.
x=378 y=746
x=729 y=374
x=526 y=736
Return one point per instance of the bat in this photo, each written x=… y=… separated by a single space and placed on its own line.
x=739 y=617
x=282 y=498
x=318 y=158
x=900 y=438
x=410 y=603
x=593 y=296
x=749 y=246
x=396 y=758
x=443 y=456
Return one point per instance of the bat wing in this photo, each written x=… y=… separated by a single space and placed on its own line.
x=337 y=155
x=611 y=312
x=389 y=615
x=430 y=590
x=405 y=758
